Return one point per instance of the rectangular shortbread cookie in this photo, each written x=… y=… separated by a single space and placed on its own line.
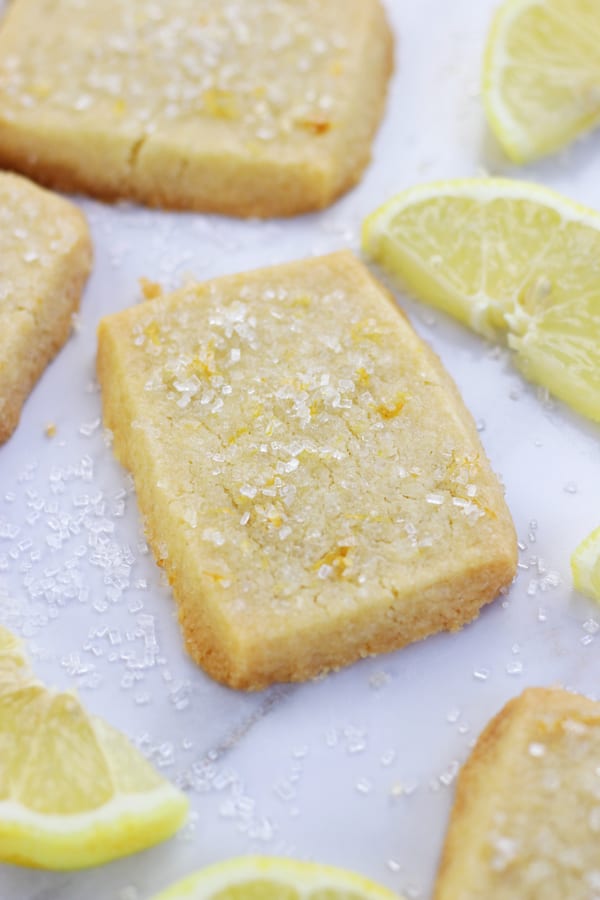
x=252 y=108
x=45 y=259
x=310 y=478
x=526 y=819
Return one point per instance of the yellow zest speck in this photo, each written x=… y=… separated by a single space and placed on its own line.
x=336 y=558
x=237 y=434
x=152 y=332
x=203 y=366
x=214 y=576
x=150 y=289
x=120 y=107
x=315 y=126
x=366 y=329
x=363 y=377
x=391 y=411
x=50 y=430
x=303 y=301
x=220 y=104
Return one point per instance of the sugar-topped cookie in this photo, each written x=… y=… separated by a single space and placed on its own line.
x=310 y=478
x=251 y=108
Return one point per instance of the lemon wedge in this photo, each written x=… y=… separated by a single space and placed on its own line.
x=73 y=791
x=513 y=261
x=585 y=566
x=541 y=74
x=274 y=878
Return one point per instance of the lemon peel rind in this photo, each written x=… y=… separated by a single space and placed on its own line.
x=302 y=876
x=514 y=140
x=122 y=826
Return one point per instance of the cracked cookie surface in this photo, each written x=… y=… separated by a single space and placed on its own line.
x=310 y=478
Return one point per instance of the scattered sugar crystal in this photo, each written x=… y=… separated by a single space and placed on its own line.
x=481 y=674
x=536 y=749
x=435 y=499
x=331 y=737
x=300 y=752
x=387 y=757
x=379 y=679
x=505 y=851
x=450 y=774
x=514 y=667
x=284 y=790
x=363 y=786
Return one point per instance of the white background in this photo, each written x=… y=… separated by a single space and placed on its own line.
x=356 y=769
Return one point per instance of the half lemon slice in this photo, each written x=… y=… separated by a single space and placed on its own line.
x=73 y=791
x=274 y=878
x=541 y=74
x=513 y=261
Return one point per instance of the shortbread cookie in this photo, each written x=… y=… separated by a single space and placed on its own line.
x=258 y=108
x=310 y=478
x=526 y=820
x=45 y=259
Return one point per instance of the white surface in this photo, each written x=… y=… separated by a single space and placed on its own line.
x=310 y=770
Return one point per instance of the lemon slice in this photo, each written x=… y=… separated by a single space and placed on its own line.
x=73 y=791
x=512 y=260
x=585 y=566
x=541 y=74
x=273 y=878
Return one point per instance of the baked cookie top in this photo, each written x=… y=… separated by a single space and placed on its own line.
x=264 y=82
x=312 y=449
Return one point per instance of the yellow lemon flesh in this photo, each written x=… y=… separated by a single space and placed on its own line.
x=585 y=566
x=73 y=791
x=513 y=261
x=541 y=74
x=274 y=878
